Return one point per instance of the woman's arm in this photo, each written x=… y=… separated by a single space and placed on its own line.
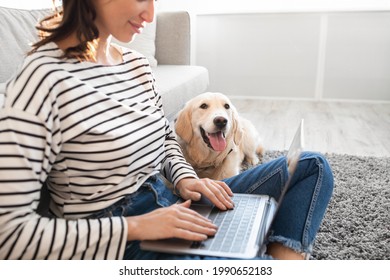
x=29 y=145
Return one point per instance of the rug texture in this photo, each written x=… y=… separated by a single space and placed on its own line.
x=356 y=225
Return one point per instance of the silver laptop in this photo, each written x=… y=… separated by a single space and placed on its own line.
x=243 y=230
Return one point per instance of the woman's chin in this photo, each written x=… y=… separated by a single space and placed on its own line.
x=126 y=39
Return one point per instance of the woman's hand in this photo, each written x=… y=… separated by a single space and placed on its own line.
x=216 y=191
x=175 y=221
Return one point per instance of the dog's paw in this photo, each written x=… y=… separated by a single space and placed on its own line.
x=260 y=150
x=252 y=160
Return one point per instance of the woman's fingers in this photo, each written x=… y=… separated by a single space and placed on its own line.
x=193 y=226
x=175 y=221
x=194 y=231
x=189 y=214
x=220 y=194
x=216 y=191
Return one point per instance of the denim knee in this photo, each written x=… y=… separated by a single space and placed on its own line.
x=322 y=163
x=305 y=204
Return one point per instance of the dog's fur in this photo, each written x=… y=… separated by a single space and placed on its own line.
x=202 y=125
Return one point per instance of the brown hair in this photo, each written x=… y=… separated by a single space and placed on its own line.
x=75 y=16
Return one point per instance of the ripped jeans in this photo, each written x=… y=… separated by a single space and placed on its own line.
x=295 y=225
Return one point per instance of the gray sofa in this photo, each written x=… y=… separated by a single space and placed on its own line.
x=166 y=43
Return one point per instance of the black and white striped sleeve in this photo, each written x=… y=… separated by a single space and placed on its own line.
x=28 y=147
x=175 y=167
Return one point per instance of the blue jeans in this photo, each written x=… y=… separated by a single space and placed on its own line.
x=298 y=218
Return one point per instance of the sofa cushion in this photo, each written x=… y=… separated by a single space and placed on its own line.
x=188 y=82
x=17 y=32
x=173 y=38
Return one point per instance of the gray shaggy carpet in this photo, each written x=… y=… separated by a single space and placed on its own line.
x=357 y=223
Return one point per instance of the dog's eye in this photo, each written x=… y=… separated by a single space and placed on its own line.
x=204 y=106
x=227 y=106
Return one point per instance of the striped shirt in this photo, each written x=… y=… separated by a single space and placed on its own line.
x=95 y=133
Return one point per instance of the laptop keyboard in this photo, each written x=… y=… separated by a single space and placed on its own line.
x=233 y=226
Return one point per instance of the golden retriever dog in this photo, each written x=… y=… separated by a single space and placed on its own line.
x=215 y=140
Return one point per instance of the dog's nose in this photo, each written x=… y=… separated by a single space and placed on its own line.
x=220 y=122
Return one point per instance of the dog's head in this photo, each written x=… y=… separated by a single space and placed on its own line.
x=210 y=117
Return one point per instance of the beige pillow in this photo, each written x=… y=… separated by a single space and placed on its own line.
x=144 y=43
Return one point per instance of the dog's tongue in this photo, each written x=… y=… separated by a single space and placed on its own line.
x=217 y=141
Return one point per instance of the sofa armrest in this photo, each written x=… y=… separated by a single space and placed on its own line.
x=173 y=38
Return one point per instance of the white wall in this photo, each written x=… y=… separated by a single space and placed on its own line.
x=235 y=6
x=311 y=49
x=322 y=55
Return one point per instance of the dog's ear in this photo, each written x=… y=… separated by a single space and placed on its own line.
x=237 y=128
x=183 y=124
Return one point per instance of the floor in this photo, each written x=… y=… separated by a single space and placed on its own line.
x=354 y=128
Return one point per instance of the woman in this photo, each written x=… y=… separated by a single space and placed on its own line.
x=83 y=115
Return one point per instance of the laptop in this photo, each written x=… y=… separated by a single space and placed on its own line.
x=243 y=230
